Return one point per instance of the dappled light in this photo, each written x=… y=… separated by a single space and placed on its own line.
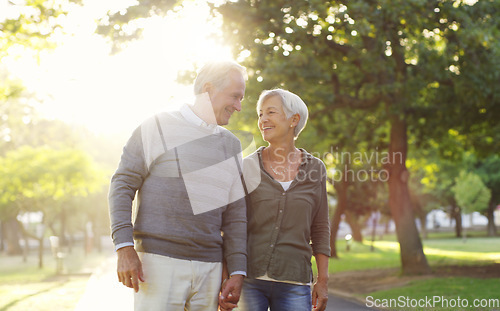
x=80 y=82
x=402 y=100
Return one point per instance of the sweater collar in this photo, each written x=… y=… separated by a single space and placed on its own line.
x=192 y=118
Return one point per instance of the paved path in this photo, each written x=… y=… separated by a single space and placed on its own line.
x=104 y=293
x=340 y=303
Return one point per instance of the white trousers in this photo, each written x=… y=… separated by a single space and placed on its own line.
x=177 y=285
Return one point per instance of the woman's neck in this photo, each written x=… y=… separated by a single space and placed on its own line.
x=282 y=151
x=281 y=162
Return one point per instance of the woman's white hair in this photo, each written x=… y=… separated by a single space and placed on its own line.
x=292 y=105
x=217 y=73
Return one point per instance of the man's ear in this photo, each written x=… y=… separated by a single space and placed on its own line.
x=207 y=88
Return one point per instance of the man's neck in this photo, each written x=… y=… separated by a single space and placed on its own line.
x=203 y=108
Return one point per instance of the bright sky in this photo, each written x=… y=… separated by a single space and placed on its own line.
x=81 y=83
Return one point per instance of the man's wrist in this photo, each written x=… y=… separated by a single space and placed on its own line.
x=243 y=273
x=235 y=275
x=322 y=279
x=122 y=245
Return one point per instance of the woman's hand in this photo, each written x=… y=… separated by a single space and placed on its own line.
x=320 y=295
x=320 y=289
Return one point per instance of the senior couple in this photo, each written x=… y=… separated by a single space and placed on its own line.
x=211 y=230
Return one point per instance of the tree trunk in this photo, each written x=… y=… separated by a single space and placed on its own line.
x=12 y=236
x=40 y=252
x=423 y=225
x=334 y=228
x=421 y=214
x=341 y=189
x=27 y=235
x=413 y=260
x=62 y=233
x=492 y=229
x=352 y=220
x=2 y=236
x=457 y=215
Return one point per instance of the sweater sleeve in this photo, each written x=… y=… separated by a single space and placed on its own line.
x=234 y=228
x=320 y=228
x=125 y=182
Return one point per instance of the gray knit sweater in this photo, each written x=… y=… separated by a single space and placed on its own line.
x=190 y=197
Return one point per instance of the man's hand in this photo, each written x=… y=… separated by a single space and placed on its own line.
x=129 y=267
x=230 y=292
x=320 y=295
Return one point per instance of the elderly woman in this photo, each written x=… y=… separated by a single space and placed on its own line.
x=287 y=214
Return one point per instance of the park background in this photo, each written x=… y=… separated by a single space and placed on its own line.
x=404 y=108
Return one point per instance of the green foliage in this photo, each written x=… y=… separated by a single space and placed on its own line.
x=489 y=171
x=357 y=64
x=415 y=57
x=44 y=179
x=358 y=54
x=124 y=25
x=432 y=177
x=24 y=25
x=31 y=23
x=470 y=192
x=12 y=112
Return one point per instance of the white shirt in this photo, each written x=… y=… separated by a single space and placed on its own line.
x=191 y=117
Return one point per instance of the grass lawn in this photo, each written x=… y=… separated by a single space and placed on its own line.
x=453 y=293
x=439 y=250
x=24 y=286
x=474 y=292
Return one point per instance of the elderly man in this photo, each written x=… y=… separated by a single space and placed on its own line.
x=190 y=214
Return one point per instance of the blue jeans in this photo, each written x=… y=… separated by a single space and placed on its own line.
x=259 y=295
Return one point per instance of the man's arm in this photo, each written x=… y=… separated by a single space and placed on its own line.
x=234 y=227
x=129 y=267
x=230 y=292
x=124 y=184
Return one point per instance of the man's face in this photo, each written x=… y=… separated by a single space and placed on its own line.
x=228 y=99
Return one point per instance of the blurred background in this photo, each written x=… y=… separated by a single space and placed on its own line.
x=403 y=96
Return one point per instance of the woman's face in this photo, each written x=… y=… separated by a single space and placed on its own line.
x=273 y=123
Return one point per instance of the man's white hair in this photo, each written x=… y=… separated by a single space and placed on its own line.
x=292 y=105
x=217 y=73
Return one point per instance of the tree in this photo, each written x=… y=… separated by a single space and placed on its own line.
x=13 y=113
x=46 y=180
x=120 y=27
x=408 y=60
x=407 y=56
x=470 y=193
x=488 y=170
x=336 y=68
x=30 y=26
x=348 y=143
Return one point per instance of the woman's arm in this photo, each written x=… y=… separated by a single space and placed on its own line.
x=320 y=289
x=320 y=235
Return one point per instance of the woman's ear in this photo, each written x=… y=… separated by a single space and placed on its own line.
x=295 y=119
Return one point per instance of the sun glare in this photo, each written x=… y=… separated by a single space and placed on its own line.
x=81 y=83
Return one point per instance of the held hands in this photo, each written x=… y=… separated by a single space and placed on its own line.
x=129 y=268
x=230 y=292
x=320 y=295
